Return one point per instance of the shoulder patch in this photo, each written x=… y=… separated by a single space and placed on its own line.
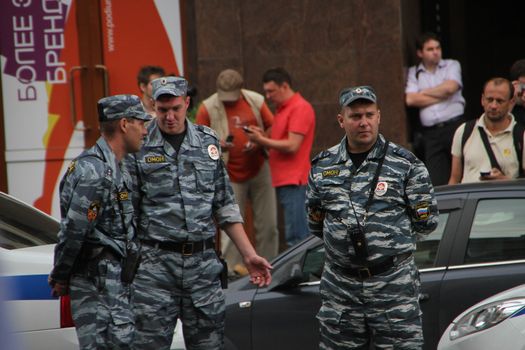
x=381 y=188
x=123 y=196
x=213 y=152
x=71 y=167
x=421 y=211
x=316 y=215
x=93 y=210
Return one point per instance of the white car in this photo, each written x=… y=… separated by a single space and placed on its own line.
x=27 y=238
x=34 y=318
x=497 y=322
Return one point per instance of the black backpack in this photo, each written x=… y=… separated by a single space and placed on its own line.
x=517 y=136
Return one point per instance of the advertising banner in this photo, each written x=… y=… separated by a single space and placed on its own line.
x=39 y=56
x=38 y=48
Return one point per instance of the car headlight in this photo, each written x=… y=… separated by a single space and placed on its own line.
x=486 y=316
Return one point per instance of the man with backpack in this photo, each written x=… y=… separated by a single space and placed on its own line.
x=491 y=147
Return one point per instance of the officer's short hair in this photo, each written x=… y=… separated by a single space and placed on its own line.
x=109 y=128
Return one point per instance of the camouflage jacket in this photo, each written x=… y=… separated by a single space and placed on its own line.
x=182 y=195
x=95 y=206
x=402 y=207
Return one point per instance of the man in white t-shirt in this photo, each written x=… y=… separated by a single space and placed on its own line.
x=470 y=159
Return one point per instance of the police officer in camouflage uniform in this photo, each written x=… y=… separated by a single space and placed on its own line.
x=184 y=193
x=369 y=200
x=96 y=238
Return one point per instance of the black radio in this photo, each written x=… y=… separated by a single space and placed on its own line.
x=357 y=236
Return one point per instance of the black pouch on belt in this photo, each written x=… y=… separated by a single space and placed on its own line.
x=224 y=273
x=87 y=260
x=130 y=264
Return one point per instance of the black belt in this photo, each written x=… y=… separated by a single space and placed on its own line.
x=445 y=123
x=364 y=272
x=184 y=248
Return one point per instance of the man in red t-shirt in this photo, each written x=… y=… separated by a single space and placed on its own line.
x=290 y=145
x=227 y=112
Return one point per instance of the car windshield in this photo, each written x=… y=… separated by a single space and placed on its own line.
x=22 y=226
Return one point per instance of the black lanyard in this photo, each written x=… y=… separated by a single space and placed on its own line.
x=376 y=178
x=373 y=185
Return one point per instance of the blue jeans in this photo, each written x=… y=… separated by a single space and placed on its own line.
x=293 y=199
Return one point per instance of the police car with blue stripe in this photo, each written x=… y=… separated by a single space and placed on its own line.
x=35 y=318
x=30 y=318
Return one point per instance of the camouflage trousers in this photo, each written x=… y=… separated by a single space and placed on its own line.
x=101 y=308
x=170 y=286
x=383 y=309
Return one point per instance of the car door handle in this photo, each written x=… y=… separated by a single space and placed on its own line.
x=245 y=304
x=424 y=297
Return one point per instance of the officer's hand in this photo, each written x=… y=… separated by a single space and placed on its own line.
x=259 y=269
x=58 y=289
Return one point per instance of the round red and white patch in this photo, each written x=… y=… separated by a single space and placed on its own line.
x=213 y=152
x=381 y=188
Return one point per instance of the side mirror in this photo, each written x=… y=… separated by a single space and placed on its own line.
x=290 y=276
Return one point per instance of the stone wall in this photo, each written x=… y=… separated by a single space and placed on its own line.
x=326 y=45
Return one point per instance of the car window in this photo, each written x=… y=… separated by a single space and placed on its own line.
x=16 y=235
x=22 y=226
x=427 y=247
x=498 y=231
x=313 y=263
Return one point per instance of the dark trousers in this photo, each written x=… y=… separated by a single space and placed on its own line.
x=438 y=144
